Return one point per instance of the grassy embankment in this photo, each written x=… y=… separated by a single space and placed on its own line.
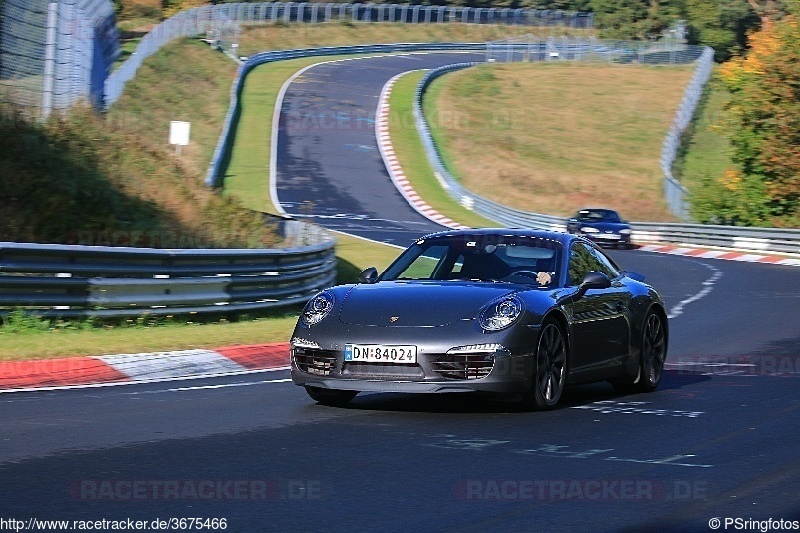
x=552 y=138
x=706 y=152
x=150 y=101
x=184 y=81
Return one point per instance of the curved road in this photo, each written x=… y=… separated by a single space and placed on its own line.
x=328 y=166
x=716 y=442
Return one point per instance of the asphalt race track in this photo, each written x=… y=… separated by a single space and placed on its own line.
x=714 y=448
x=328 y=166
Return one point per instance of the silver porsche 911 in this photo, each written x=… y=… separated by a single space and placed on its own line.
x=521 y=313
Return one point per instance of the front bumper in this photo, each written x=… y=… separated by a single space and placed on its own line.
x=504 y=374
x=609 y=239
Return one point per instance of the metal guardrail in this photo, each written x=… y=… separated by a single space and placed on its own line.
x=754 y=239
x=785 y=241
x=760 y=239
x=73 y=281
x=664 y=52
x=214 y=174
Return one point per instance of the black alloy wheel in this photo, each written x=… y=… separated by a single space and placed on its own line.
x=550 y=369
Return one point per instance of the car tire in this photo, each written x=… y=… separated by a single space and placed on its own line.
x=335 y=398
x=549 y=368
x=652 y=354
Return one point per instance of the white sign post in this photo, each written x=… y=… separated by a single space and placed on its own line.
x=179 y=134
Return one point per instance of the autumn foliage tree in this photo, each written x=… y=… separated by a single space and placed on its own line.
x=763 y=124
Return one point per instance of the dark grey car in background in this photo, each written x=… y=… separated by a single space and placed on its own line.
x=603 y=226
x=511 y=312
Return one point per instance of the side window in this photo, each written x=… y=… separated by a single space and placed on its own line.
x=580 y=262
x=607 y=267
x=457 y=266
x=584 y=259
x=425 y=265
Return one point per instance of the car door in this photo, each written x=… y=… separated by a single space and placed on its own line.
x=600 y=327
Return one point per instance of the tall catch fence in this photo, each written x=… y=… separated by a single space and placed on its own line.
x=56 y=53
x=222 y=23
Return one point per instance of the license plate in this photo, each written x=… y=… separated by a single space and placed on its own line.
x=611 y=236
x=380 y=353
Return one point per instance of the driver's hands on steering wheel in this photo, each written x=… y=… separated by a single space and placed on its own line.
x=543 y=278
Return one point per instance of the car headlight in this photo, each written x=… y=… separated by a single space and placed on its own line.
x=501 y=313
x=317 y=308
x=625 y=231
x=588 y=229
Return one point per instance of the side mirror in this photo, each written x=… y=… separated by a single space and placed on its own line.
x=370 y=275
x=592 y=280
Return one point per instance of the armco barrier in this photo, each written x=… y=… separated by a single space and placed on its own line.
x=761 y=239
x=764 y=239
x=214 y=175
x=757 y=239
x=227 y=18
x=71 y=281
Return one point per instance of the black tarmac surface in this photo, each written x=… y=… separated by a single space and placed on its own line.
x=714 y=448
x=716 y=441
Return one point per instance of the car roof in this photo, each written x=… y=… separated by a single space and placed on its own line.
x=597 y=210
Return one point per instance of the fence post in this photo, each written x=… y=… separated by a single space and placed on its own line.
x=49 y=60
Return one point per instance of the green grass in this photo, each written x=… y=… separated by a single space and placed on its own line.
x=247 y=173
x=410 y=153
x=189 y=82
x=27 y=337
x=126 y=49
x=706 y=150
x=583 y=130
x=69 y=341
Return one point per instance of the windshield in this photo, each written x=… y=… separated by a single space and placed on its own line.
x=597 y=215
x=515 y=259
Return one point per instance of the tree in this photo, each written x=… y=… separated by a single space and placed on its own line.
x=766 y=10
x=722 y=25
x=764 y=124
x=635 y=19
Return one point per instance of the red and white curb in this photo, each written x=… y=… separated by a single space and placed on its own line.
x=727 y=255
x=141 y=367
x=393 y=166
x=404 y=186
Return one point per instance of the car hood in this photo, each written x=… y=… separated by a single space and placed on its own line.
x=417 y=303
